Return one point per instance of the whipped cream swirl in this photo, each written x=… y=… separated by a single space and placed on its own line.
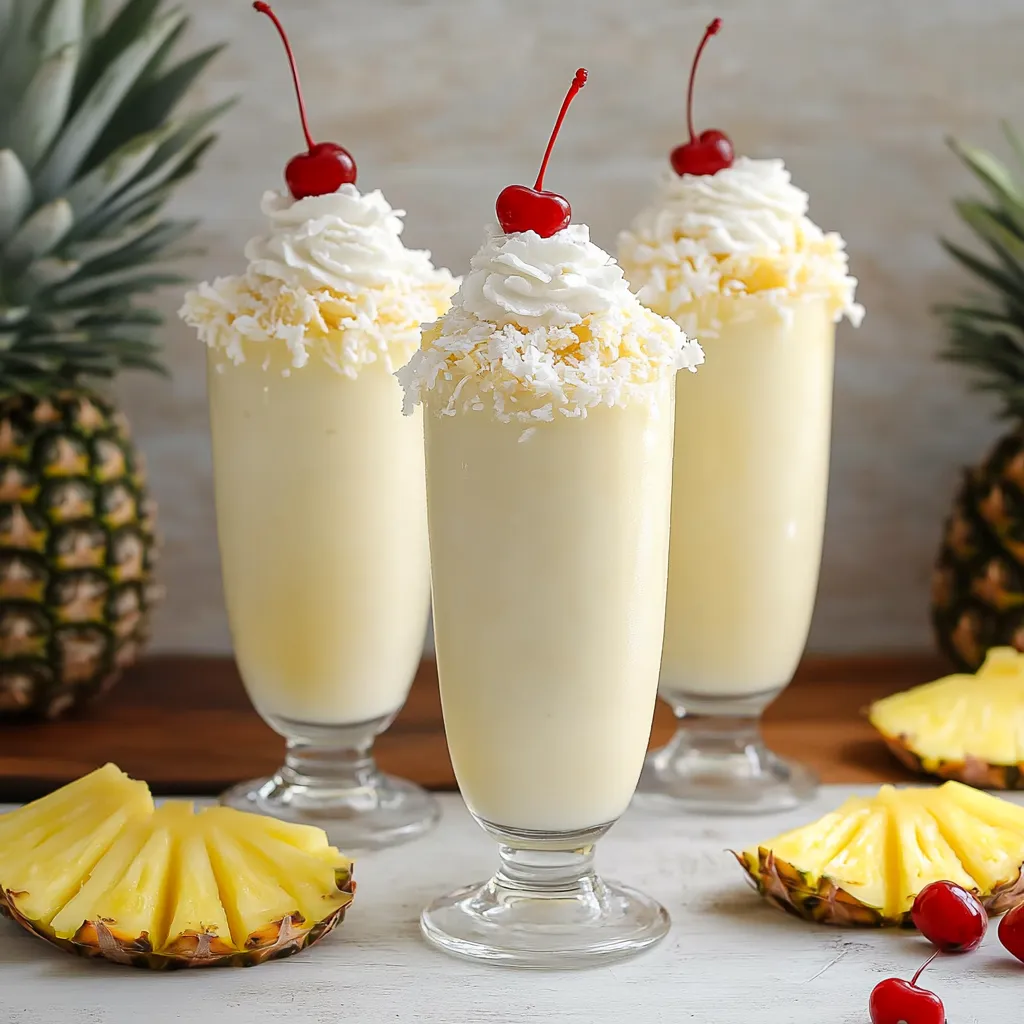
x=545 y=326
x=343 y=242
x=743 y=231
x=330 y=275
x=532 y=281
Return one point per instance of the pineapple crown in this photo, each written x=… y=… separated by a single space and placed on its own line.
x=90 y=151
x=986 y=330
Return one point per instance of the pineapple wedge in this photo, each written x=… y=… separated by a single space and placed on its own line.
x=864 y=863
x=962 y=727
x=96 y=870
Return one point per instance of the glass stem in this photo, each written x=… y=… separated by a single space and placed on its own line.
x=314 y=766
x=547 y=873
x=722 y=736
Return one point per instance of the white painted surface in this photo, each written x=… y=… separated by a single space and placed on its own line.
x=729 y=959
x=444 y=102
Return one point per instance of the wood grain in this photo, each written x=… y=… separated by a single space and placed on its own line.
x=185 y=725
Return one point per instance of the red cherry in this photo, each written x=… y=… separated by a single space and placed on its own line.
x=707 y=155
x=949 y=917
x=895 y=1001
x=712 y=150
x=326 y=166
x=532 y=209
x=1011 y=931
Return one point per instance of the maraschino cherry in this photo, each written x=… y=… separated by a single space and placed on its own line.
x=532 y=209
x=712 y=150
x=326 y=166
x=1011 y=931
x=895 y=1001
x=949 y=917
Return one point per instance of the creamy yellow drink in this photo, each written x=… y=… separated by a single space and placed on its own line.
x=733 y=258
x=548 y=395
x=319 y=480
x=320 y=494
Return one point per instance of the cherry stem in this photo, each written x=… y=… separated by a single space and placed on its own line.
x=265 y=8
x=577 y=83
x=711 y=30
x=920 y=970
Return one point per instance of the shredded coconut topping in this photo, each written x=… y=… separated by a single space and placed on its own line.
x=742 y=232
x=332 y=277
x=544 y=326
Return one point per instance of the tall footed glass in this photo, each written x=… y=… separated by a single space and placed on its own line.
x=321 y=523
x=751 y=480
x=549 y=549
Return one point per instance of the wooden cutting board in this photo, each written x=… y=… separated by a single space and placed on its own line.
x=184 y=724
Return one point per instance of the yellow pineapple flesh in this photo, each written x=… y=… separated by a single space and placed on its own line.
x=95 y=869
x=864 y=863
x=964 y=727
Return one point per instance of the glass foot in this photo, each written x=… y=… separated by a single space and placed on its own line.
x=545 y=908
x=480 y=922
x=384 y=811
x=722 y=770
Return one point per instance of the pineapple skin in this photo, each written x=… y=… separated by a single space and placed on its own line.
x=977 y=595
x=823 y=900
x=793 y=891
x=971 y=770
x=108 y=789
x=994 y=692
x=95 y=940
x=78 y=549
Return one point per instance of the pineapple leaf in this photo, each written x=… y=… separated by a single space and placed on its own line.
x=44 y=105
x=89 y=120
x=127 y=25
x=997 y=179
x=989 y=226
x=999 y=280
x=163 y=175
x=11 y=315
x=154 y=101
x=1015 y=143
x=144 y=249
x=40 y=233
x=19 y=56
x=60 y=25
x=92 y=21
x=46 y=273
x=185 y=132
x=99 y=246
x=140 y=209
x=114 y=284
x=15 y=193
x=93 y=190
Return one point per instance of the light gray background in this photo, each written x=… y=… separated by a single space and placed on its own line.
x=443 y=102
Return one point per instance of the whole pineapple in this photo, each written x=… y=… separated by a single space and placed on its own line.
x=89 y=154
x=978 y=584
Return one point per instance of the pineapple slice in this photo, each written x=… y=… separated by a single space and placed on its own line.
x=257 y=907
x=198 y=927
x=309 y=880
x=46 y=813
x=922 y=855
x=96 y=870
x=43 y=869
x=864 y=863
x=962 y=727
x=861 y=864
x=123 y=897
x=303 y=837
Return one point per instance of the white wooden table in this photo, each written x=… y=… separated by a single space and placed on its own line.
x=729 y=959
